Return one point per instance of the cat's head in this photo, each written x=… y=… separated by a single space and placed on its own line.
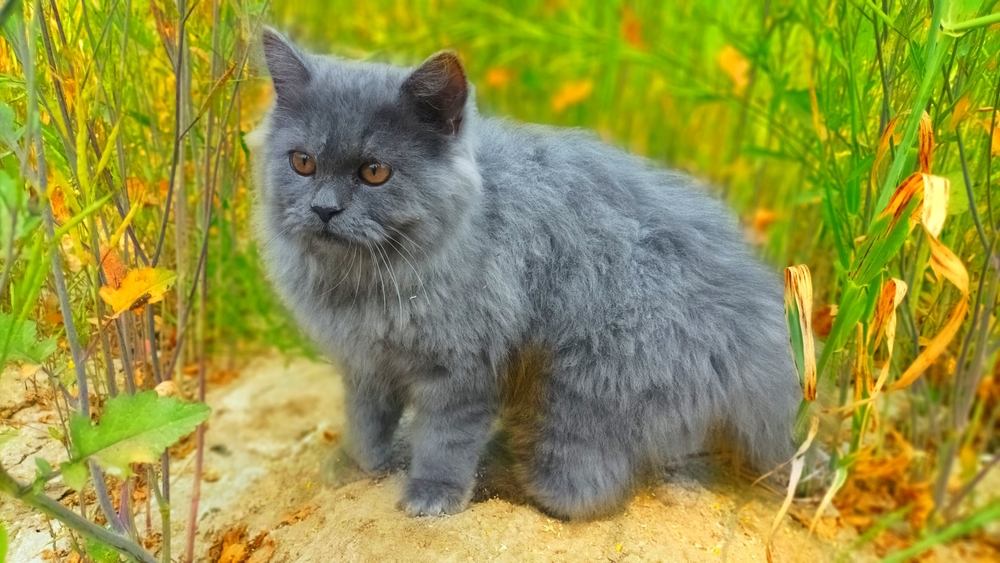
x=364 y=154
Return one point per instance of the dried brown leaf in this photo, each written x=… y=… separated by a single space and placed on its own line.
x=925 y=145
x=798 y=288
x=798 y=462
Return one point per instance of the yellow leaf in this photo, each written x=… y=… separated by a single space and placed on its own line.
x=946 y=265
x=912 y=186
x=885 y=324
x=995 y=141
x=571 y=93
x=960 y=111
x=108 y=147
x=933 y=209
x=821 y=131
x=736 y=68
x=935 y=206
x=113 y=242
x=925 y=148
x=139 y=288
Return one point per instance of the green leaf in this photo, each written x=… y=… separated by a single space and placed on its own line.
x=74 y=474
x=101 y=552
x=55 y=433
x=133 y=429
x=959 y=11
x=850 y=310
x=7 y=194
x=6 y=123
x=3 y=543
x=42 y=468
x=885 y=237
x=24 y=345
x=9 y=9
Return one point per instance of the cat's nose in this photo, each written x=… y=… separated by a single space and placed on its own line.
x=326 y=213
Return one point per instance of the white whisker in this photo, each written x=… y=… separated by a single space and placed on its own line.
x=354 y=254
x=392 y=276
x=396 y=244
x=402 y=234
x=378 y=269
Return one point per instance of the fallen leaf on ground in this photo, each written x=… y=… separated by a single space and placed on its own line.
x=234 y=547
x=222 y=376
x=297 y=516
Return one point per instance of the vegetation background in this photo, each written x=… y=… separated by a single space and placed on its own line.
x=128 y=262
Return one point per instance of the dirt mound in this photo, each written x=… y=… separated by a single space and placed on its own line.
x=263 y=498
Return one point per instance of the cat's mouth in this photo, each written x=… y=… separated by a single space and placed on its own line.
x=329 y=237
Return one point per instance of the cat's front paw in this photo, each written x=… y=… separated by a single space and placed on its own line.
x=340 y=469
x=433 y=498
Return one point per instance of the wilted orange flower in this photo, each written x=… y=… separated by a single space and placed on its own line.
x=497 y=77
x=736 y=67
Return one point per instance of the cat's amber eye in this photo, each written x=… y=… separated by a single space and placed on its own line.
x=302 y=163
x=374 y=173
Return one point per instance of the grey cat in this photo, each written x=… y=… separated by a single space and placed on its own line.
x=467 y=267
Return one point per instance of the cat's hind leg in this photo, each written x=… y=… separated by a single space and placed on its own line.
x=582 y=461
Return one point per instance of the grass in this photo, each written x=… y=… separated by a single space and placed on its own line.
x=781 y=106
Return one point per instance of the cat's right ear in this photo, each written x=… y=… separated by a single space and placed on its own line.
x=288 y=69
x=439 y=90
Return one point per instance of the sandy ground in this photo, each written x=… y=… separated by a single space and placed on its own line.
x=275 y=426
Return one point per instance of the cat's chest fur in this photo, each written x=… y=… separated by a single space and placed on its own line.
x=405 y=324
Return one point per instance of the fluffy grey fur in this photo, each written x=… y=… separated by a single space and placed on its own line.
x=657 y=324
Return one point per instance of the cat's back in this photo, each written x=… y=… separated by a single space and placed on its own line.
x=596 y=229
x=595 y=198
x=570 y=173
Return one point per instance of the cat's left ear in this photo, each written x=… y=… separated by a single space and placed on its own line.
x=439 y=90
